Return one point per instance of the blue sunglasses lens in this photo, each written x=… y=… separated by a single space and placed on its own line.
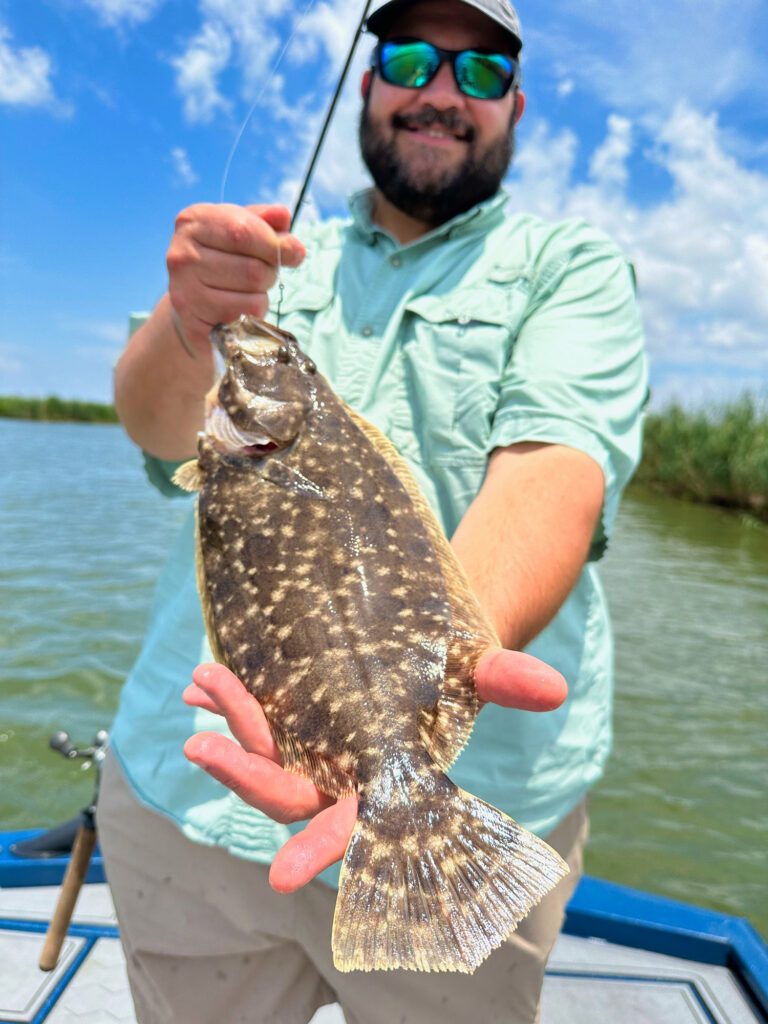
x=486 y=76
x=409 y=65
x=412 y=64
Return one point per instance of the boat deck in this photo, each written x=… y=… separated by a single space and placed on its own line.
x=589 y=981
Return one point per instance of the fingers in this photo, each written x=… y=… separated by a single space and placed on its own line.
x=282 y=795
x=516 y=680
x=277 y=216
x=219 y=690
x=311 y=851
x=223 y=259
x=242 y=231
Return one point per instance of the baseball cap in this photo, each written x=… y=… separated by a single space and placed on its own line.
x=500 y=11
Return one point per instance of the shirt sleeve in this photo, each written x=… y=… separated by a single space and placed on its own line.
x=159 y=471
x=577 y=373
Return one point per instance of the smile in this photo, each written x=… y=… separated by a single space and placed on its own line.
x=435 y=125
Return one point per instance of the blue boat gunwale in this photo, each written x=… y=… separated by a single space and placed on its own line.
x=598 y=909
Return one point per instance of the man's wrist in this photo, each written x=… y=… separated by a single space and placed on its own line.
x=180 y=334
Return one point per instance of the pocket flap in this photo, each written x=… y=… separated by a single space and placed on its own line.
x=463 y=306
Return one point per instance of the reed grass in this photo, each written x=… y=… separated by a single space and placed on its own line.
x=718 y=456
x=56 y=409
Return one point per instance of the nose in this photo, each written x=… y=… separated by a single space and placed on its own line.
x=442 y=92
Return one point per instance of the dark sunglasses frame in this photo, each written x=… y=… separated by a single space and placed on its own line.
x=451 y=57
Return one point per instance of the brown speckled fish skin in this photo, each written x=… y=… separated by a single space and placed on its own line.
x=330 y=590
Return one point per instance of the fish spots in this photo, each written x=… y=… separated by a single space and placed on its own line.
x=259 y=549
x=307 y=637
x=255 y=659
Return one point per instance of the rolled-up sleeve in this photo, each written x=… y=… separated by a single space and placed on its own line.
x=577 y=373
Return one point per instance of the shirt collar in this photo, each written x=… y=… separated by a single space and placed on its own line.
x=480 y=218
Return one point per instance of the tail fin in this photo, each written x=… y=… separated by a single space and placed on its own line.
x=437 y=885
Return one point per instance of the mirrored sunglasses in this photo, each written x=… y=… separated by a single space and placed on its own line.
x=413 y=63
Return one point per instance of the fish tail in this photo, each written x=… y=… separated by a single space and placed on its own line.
x=437 y=882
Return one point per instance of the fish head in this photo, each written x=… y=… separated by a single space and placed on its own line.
x=265 y=390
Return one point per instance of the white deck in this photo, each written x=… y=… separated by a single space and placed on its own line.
x=588 y=981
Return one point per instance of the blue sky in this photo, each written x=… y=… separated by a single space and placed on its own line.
x=649 y=119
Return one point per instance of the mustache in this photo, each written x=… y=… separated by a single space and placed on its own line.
x=429 y=117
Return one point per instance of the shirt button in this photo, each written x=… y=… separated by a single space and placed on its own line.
x=367 y=332
x=396 y=261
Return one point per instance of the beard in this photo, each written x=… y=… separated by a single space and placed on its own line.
x=440 y=195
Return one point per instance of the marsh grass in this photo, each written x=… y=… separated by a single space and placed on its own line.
x=718 y=456
x=56 y=409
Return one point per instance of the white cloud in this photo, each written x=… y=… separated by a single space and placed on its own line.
x=701 y=255
x=256 y=39
x=328 y=26
x=25 y=74
x=243 y=33
x=608 y=166
x=113 y=13
x=197 y=72
x=183 y=169
x=565 y=88
x=643 y=58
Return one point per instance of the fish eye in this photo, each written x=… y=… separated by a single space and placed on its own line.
x=283 y=354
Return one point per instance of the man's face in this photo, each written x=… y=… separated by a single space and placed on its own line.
x=435 y=152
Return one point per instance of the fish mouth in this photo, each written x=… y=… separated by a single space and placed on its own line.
x=252 y=335
x=233 y=440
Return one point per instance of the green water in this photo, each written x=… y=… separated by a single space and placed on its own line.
x=682 y=810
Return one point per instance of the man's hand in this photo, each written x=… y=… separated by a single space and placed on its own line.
x=252 y=767
x=222 y=260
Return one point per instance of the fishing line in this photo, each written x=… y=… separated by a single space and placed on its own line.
x=329 y=115
x=270 y=79
x=323 y=132
x=280 y=287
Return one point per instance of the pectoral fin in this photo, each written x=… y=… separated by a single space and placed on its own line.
x=188 y=476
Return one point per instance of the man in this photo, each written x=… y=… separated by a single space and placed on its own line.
x=503 y=356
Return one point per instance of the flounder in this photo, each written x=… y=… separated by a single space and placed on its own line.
x=330 y=590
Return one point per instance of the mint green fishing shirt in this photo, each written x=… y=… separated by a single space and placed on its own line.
x=494 y=328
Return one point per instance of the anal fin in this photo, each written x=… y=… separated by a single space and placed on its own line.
x=332 y=775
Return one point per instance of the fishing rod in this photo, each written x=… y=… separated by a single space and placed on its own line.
x=329 y=114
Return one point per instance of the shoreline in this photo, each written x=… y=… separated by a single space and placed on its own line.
x=56 y=410
x=716 y=456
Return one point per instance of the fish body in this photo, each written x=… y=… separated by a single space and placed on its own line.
x=330 y=590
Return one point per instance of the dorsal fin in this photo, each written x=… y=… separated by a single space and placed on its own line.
x=445 y=727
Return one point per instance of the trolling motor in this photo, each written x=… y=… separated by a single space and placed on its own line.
x=77 y=837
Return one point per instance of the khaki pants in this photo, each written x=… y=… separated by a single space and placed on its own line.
x=207 y=941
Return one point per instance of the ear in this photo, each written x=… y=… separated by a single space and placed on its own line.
x=519 y=105
x=365 y=83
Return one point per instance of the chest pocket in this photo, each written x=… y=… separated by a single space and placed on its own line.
x=455 y=349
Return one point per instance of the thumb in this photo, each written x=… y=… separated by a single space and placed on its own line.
x=516 y=680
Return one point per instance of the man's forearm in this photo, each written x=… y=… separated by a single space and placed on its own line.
x=160 y=388
x=525 y=538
